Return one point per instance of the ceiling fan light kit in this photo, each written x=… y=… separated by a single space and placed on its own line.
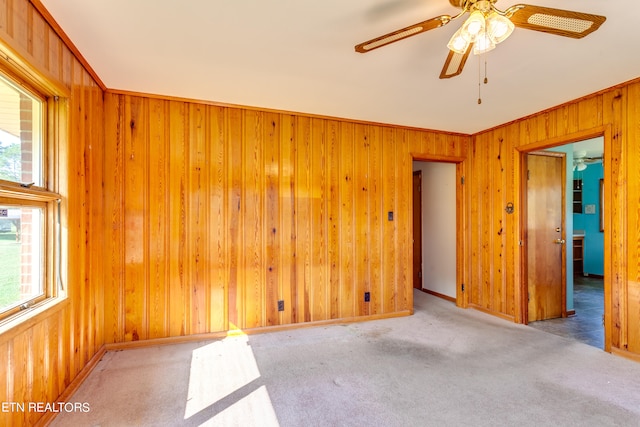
x=487 y=26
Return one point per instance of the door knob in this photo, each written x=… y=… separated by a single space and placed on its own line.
x=559 y=241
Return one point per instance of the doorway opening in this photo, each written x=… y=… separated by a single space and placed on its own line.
x=437 y=240
x=584 y=208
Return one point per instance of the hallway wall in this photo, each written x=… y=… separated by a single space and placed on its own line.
x=438 y=227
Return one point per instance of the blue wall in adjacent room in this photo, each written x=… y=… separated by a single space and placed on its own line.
x=590 y=222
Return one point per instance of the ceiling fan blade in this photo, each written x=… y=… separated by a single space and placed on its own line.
x=454 y=63
x=403 y=33
x=554 y=21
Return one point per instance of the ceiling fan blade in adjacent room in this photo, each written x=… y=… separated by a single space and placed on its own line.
x=403 y=33
x=555 y=21
x=454 y=63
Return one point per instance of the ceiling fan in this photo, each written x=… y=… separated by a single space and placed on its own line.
x=487 y=26
x=581 y=160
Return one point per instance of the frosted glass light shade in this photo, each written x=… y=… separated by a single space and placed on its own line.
x=498 y=27
x=483 y=44
x=458 y=43
x=473 y=26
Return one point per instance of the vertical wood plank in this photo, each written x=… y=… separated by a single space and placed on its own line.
x=136 y=286
x=288 y=265
x=375 y=196
x=235 y=237
x=333 y=132
x=158 y=219
x=178 y=205
x=347 y=222
x=114 y=191
x=304 y=195
x=272 y=218
x=218 y=315
x=403 y=218
x=253 y=214
x=389 y=192
x=198 y=217
x=630 y=294
x=361 y=213
x=318 y=209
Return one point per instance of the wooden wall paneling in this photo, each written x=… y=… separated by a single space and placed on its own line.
x=75 y=225
x=272 y=220
x=94 y=192
x=632 y=292
x=36 y=44
x=499 y=177
x=234 y=125
x=218 y=176
x=472 y=288
x=333 y=132
x=404 y=225
x=4 y=18
x=54 y=55
x=482 y=236
x=288 y=266
x=253 y=214
x=347 y=221
x=198 y=217
x=113 y=204
x=20 y=23
x=179 y=267
x=92 y=138
x=376 y=224
x=615 y=173
x=36 y=364
x=361 y=213
x=156 y=219
x=615 y=228
x=304 y=195
x=52 y=361
x=6 y=375
x=319 y=284
x=18 y=355
x=590 y=112
x=136 y=185
x=389 y=187
x=511 y=232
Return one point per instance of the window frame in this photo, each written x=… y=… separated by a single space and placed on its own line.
x=45 y=196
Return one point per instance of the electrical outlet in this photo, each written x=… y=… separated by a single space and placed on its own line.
x=367 y=296
x=280 y=305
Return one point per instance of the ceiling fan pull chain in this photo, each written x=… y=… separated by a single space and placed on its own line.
x=486 y=80
x=479 y=78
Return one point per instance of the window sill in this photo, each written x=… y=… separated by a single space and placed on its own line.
x=20 y=322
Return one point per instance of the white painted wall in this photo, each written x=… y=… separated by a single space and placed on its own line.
x=438 y=226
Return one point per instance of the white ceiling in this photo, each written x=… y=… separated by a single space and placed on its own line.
x=298 y=55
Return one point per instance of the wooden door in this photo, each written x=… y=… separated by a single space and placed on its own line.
x=545 y=236
x=417 y=229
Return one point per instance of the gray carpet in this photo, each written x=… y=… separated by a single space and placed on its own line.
x=443 y=366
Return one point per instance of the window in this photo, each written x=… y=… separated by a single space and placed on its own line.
x=27 y=204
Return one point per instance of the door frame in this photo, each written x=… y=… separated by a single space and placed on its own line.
x=417 y=234
x=462 y=222
x=520 y=188
x=525 y=231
